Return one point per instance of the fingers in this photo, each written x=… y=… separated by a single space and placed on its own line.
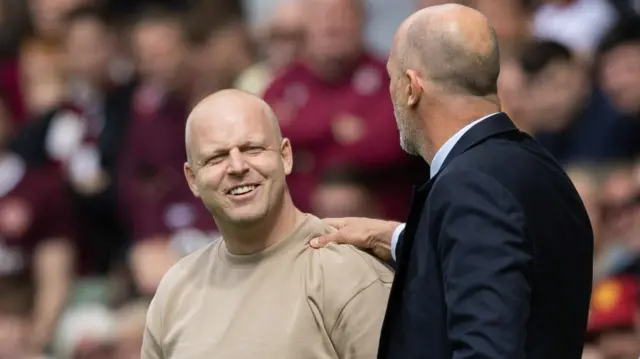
x=320 y=242
x=336 y=223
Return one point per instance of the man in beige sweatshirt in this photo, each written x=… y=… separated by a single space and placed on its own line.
x=260 y=292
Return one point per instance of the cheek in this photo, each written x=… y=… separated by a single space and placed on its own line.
x=210 y=179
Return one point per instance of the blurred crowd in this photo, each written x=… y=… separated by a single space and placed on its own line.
x=94 y=95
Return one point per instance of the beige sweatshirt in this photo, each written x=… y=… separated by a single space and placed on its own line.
x=287 y=302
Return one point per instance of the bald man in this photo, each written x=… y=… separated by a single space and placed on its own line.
x=495 y=260
x=260 y=291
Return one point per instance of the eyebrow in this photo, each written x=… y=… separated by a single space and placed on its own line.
x=212 y=151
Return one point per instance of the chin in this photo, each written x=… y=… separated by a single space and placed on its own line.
x=246 y=216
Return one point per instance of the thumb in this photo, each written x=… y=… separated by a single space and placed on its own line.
x=322 y=241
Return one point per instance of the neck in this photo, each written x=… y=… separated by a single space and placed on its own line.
x=252 y=238
x=443 y=119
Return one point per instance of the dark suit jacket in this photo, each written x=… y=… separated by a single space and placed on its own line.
x=496 y=258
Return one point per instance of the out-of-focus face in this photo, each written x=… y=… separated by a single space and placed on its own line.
x=399 y=87
x=512 y=94
x=556 y=93
x=238 y=166
x=89 y=47
x=42 y=79
x=620 y=77
x=285 y=35
x=160 y=52
x=622 y=344
x=334 y=30
x=47 y=15
x=619 y=211
x=343 y=200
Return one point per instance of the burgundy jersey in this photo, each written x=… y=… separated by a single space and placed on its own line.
x=177 y=215
x=349 y=122
x=154 y=153
x=32 y=210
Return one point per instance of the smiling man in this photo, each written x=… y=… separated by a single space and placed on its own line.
x=259 y=292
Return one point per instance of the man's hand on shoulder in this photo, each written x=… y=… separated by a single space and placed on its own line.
x=365 y=233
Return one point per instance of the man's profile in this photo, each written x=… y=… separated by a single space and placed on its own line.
x=260 y=292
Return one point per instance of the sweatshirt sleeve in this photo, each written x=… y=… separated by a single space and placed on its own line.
x=151 y=341
x=352 y=299
x=357 y=330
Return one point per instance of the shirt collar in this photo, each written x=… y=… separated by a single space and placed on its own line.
x=443 y=152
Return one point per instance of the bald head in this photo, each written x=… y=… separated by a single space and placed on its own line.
x=454 y=46
x=225 y=111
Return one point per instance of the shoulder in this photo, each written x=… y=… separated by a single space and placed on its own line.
x=184 y=273
x=338 y=273
x=283 y=80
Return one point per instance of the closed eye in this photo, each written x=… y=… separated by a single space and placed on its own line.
x=253 y=150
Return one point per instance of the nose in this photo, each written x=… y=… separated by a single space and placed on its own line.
x=237 y=164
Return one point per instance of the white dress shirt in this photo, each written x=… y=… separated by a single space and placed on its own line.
x=436 y=164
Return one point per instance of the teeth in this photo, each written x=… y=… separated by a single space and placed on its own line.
x=242 y=190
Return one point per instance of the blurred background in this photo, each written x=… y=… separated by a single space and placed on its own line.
x=94 y=95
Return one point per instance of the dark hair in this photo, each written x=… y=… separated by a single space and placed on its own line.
x=537 y=55
x=627 y=30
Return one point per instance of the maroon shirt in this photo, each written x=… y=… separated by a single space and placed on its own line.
x=154 y=153
x=11 y=91
x=32 y=209
x=177 y=215
x=349 y=122
x=157 y=198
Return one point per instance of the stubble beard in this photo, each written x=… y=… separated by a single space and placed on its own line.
x=406 y=133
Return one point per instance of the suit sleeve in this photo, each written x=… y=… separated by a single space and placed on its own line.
x=486 y=263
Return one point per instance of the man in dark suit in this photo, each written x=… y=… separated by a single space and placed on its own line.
x=495 y=259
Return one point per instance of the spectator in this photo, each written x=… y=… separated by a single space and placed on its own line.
x=84 y=135
x=613 y=315
x=619 y=66
x=589 y=192
x=42 y=77
x=281 y=39
x=335 y=107
x=220 y=49
x=166 y=220
x=342 y=192
x=35 y=238
x=47 y=16
x=571 y=119
x=621 y=215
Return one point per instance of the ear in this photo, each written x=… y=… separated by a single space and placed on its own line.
x=191 y=179
x=414 y=88
x=287 y=155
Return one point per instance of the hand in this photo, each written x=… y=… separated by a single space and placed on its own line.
x=364 y=233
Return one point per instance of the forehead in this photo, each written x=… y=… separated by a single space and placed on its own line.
x=213 y=131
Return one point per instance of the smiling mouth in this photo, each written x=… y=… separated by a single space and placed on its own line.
x=242 y=190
